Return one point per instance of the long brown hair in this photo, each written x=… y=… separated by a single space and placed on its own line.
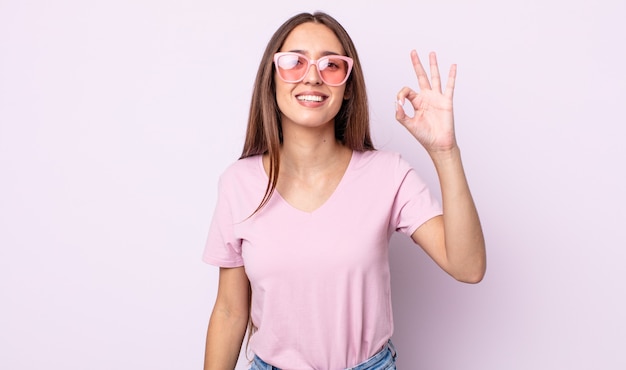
x=264 y=132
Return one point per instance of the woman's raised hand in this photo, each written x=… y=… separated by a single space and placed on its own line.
x=433 y=122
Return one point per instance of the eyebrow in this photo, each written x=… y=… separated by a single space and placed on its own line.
x=324 y=53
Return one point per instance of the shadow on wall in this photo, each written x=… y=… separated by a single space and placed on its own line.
x=433 y=312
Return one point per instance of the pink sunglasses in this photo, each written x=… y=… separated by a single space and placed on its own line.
x=292 y=67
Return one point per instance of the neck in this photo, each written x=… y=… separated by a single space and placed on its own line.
x=308 y=149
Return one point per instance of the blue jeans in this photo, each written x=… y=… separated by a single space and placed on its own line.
x=383 y=360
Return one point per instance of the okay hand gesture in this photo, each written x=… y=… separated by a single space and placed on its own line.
x=433 y=121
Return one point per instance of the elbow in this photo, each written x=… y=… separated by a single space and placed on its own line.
x=473 y=275
x=474 y=278
x=471 y=269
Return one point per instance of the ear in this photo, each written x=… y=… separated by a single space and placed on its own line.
x=347 y=94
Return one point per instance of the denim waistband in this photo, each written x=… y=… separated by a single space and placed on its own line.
x=384 y=359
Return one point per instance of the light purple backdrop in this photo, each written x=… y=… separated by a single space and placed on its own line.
x=116 y=118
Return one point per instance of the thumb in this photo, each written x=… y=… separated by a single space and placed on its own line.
x=400 y=114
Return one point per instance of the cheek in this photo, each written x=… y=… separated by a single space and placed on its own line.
x=341 y=91
x=339 y=96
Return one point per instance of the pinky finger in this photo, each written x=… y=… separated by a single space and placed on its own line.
x=451 y=81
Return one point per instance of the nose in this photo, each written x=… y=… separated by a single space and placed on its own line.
x=313 y=75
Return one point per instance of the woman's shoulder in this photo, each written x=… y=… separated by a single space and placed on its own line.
x=379 y=158
x=243 y=169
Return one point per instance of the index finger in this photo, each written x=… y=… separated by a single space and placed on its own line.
x=422 y=77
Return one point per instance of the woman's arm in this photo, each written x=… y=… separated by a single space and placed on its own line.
x=229 y=320
x=455 y=241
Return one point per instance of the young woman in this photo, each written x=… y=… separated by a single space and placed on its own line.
x=303 y=219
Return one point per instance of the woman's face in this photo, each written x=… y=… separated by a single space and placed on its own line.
x=311 y=102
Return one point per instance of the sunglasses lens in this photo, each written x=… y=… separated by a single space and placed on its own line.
x=333 y=70
x=291 y=67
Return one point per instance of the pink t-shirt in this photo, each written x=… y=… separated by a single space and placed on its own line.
x=320 y=280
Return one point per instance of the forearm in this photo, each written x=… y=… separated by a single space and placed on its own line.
x=224 y=337
x=464 y=240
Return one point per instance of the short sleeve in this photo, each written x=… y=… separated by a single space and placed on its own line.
x=222 y=248
x=414 y=203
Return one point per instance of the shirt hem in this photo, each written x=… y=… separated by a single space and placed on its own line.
x=221 y=263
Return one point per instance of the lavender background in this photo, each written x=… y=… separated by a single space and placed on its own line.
x=117 y=117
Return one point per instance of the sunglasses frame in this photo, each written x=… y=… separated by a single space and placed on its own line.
x=315 y=62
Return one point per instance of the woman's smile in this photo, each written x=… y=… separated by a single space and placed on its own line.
x=311 y=99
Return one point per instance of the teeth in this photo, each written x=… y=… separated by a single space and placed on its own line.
x=310 y=98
